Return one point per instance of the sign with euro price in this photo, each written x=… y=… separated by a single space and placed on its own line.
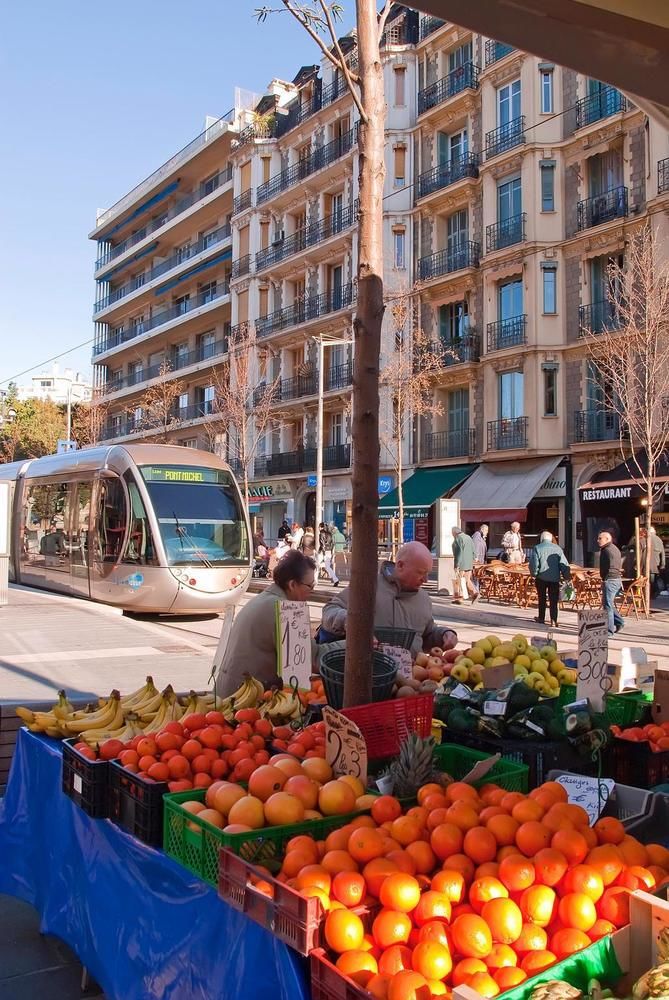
x=402 y=658
x=293 y=641
x=591 y=794
x=345 y=747
x=593 y=680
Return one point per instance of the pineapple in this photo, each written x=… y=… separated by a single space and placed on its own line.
x=414 y=767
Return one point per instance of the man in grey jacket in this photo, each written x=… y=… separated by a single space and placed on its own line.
x=480 y=540
x=548 y=566
x=463 y=562
x=400 y=601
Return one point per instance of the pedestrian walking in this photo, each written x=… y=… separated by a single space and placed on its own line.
x=463 y=561
x=339 y=544
x=480 y=540
x=296 y=533
x=326 y=552
x=512 y=545
x=308 y=543
x=548 y=565
x=283 y=530
x=611 y=572
x=657 y=560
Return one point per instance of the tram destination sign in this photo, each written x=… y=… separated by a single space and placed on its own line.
x=183 y=474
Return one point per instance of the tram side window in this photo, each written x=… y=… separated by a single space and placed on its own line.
x=139 y=549
x=112 y=519
x=80 y=525
x=47 y=519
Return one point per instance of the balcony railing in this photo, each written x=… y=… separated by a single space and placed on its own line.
x=306 y=309
x=428 y=25
x=602 y=208
x=339 y=376
x=288 y=388
x=174 y=260
x=596 y=425
x=181 y=205
x=315 y=232
x=459 y=351
x=241 y=266
x=494 y=51
x=260 y=466
x=194 y=410
x=178 y=361
x=510 y=332
x=505 y=137
x=316 y=160
x=511 y=432
x=450 y=444
x=463 y=78
x=607 y=101
x=123 y=334
x=336 y=456
x=505 y=233
x=465 y=254
x=663 y=176
x=448 y=173
x=300 y=111
x=258 y=130
x=598 y=317
x=242 y=201
x=333 y=91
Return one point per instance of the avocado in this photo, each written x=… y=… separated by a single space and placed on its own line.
x=460 y=721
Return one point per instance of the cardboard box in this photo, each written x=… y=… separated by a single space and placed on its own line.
x=660 y=709
x=496 y=677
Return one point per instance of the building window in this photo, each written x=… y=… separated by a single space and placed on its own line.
x=399 y=258
x=400 y=77
x=336 y=429
x=207 y=292
x=547 y=91
x=399 y=166
x=459 y=57
x=183 y=401
x=508 y=103
x=188 y=443
x=550 y=390
x=509 y=199
x=547 y=168
x=453 y=321
x=510 y=395
x=452 y=148
x=549 y=276
x=510 y=300
x=210 y=185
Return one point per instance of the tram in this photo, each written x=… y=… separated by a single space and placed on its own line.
x=147 y=528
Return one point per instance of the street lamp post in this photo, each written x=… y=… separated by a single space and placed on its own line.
x=322 y=344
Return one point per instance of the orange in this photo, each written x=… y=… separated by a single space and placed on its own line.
x=386 y=808
x=480 y=845
x=532 y=938
x=659 y=874
x=607 y=861
x=349 y=888
x=304 y=788
x=491 y=811
x=590 y=836
x=314 y=767
x=501 y=956
x=600 y=928
x=577 y=910
x=508 y=977
x=436 y=818
x=420 y=813
x=531 y=837
x=484 y=984
x=503 y=829
x=337 y=840
x=482 y=890
x=511 y=799
x=645 y=878
x=527 y=810
x=377 y=986
x=336 y=798
x=364 y=845
x=434 y=801
x=550 y=866
x=295 y=861
x=445 y=840
x=266 y=780
x=658 y=855
x=451 y=883
x=402 y=860
x=488 y=868
x=471 y=936
x=576 y=814
x=568 y=940
x=558 y=791
x=303 y=843
x=423 y=857
x=507 y=852
x=543 y=798
x=431 y=788
x=504 y=919
x=516 y=872
x=466 y=968
x=571 y=844
x=632 y=852
x=314 y=875
x=338 y=861
x=584 y=879
x=408 y=985
x=432 y=905
x=355 y=963
x=400 y=892
x=344 y=931
x=394 y=959
x=460 y=791
x=375 y=872
x=615 y=905
x=535 y=962
x=435 y=930
x=491 y=794
x=609 y=830
x=460 y=863
x=391 y=927
x=405 y=830
x=437 y=987
x=313 y=892
x=463 y=815
x=537 y=904
x=432 y=960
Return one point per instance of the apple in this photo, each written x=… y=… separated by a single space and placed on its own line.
x=448 y=667
x=437 y=651
x=421 y=659
x=451 y=655
x=435 y=662
x=460 y=672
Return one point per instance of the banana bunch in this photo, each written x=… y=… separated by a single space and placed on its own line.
x=247 y=696
x=282 y=708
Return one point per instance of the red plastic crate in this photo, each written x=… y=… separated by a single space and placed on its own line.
x=328 y=983
x=386 y=724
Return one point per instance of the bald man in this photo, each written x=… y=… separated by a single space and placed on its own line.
x=400 y=601
x=512 y=544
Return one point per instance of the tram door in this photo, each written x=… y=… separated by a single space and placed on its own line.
x=79 y=534
x=45 y=555
x=109 y=534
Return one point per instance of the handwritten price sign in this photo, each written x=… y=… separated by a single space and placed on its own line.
x=402 y=658
x=590 y=793
x=345 y=748
x=293 y=644
x=593 y=645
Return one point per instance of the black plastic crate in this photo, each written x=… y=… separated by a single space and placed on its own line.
x=540 y=756
x=86 y=781
x=136 y=804
x=636 y=764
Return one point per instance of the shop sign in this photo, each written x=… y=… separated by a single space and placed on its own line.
x=607 y=493
x=659 y=518
x=312 y=481
x=555 y=485
x=279 y=490
x=336 y=493
x=593 y=680
x=385 y=485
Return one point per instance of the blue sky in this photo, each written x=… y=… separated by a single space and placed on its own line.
x=95 y=97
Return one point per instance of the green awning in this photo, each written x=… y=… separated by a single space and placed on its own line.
x=421 y=490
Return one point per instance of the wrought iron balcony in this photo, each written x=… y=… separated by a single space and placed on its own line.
x=506 y=233
x=339 y=376
x=304 y=460
x=242 y=201
x=494 y=51
x=602 y=208
x=241 y=266
x=607 y=101
x=306 y=309
x=510 y=432
x=315 y=232
x=402 y=30
x=260 y=466
x=510 y=332
x=333 y=91
x=428 y=25
x=120 y=428
x=505 y=137
x=596 y=425
x=177 y=361
x=448 y=173
x=463 y=78
x=287 y=389
x=455 y=258
x=598 y=317
x=194 y=410
x=266 y=129
x=450 y=444
x=317 y=160
x=663 y=176
x=174 y=260
x=300 y=111
x=458 y=351
x=123 y=334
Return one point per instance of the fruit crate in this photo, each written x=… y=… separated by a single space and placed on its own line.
x=653 y=828
x=85 y=781
x=136 y=804
x=566 y=694
x=626 y=709
x=636 y=764
x=540 y=757
x=328 y=983
x=196 y=844
x=629 y=805
x=386 y=724
x=458 y=761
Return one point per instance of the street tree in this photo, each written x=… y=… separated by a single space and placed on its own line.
x=365 y=83
x=34 y=431
x=158 y=404
x=630 y=362
x=88 y=421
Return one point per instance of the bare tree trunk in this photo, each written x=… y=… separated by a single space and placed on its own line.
x=649 y=539
x=367 y=336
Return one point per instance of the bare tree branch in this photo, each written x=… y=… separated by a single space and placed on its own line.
x=157 y=403
x=383 y=17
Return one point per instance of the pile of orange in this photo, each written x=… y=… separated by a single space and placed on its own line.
x=302 y=743
x=485 y=888
x=655 y=734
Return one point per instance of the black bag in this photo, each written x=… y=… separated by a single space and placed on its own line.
x=504 y=556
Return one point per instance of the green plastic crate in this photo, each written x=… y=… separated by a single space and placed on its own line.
x=567 y=694
x=626 y=709
x=196 y=844
x=457 y=761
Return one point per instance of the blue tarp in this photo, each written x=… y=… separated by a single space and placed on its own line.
x=143 y=926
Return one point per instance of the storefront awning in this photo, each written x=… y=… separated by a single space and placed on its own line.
x=501 y=491
x=625 y=481
x=421 y=489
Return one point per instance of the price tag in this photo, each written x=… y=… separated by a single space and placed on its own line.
x=402 y=658
x=460 y=692
x=494 y=707
x=535 y=728
x=293 y=641
x=590 y=793
x=593 y=679
x=77 y=783
x=481 y=769
x=345 y=748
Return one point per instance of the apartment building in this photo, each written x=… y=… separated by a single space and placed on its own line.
x=59 y=387
x=510 y=183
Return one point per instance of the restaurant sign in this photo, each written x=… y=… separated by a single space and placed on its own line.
x=607 y=493
x=279 y=490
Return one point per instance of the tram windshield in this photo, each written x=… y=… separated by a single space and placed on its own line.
x=199 y=515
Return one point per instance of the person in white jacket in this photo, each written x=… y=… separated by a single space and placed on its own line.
x=512 y=544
